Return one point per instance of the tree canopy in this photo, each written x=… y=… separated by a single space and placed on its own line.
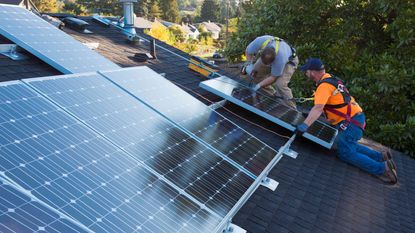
x=210 y=11
x=370 y=44
x=170 y=10
x=46 y=5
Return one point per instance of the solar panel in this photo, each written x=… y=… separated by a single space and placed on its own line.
x=148 y=137
x=48 y=43
x=269 y=108
x=232 y=142
x=20 y=213
x=78 y=172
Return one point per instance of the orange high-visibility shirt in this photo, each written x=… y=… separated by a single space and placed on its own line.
x=328 y=94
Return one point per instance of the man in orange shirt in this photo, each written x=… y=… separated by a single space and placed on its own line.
x=342 y=111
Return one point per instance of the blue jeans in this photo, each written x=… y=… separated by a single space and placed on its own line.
x=352 y=152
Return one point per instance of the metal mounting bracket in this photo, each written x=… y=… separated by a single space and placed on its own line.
x=270 y=183
x=10 y=50
x=92 y=45
x=232 y=228
x=290 y=153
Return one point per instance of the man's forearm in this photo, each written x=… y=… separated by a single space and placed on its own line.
x=314 y=114
x=268 y=81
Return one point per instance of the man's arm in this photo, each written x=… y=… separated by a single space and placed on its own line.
x=249 y=57
x=314 y=114
x=268 y=81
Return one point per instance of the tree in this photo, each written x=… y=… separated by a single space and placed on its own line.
x=74 y=8
x=108 y=7
x=46 y=5
x=210 y=11
x=155 y=11
x=227 y=5
x=142 y=8
x=369 y=44
x=170 y=11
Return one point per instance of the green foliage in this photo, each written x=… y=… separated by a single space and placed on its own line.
x=177 y=33
x=227 y=7
x=49 y=6
x=170 y=11
x=155 y=11
x=205 y=38
x=107 y=7
x=143 y=7
x=210 y=11
x=370 y=44
x=74 y=8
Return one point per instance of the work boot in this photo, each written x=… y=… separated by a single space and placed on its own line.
x=390 y=175
x=387 y=155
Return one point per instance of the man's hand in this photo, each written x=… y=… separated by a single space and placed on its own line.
x=244 y=66
x=254 y=87
x=254 y=73
x=301 y=129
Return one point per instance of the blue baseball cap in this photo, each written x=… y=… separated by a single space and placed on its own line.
x=312 y=64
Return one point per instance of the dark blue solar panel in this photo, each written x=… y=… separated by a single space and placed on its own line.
x=271 y=108
x=48 y=43
x=78 y=172
x=19 y=213
x=194 y=116
x=150 y=138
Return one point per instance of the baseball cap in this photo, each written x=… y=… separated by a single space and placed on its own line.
x=312 y=64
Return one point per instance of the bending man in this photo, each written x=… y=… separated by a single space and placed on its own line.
x=273 y=69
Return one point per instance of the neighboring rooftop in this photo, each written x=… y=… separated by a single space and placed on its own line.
x=317 y=191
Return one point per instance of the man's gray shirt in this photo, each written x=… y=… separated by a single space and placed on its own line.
x=284 y=53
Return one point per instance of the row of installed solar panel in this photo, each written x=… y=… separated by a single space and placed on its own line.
x=121 y=151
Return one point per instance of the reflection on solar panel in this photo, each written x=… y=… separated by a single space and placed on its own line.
x=49 y=43
x=148 y=137
x=223 y=136
x=20 y=213
x=80 y=173
x=269 y=108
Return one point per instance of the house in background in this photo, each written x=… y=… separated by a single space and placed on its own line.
x=213 y=28
x=190 y=31
x=142 y=23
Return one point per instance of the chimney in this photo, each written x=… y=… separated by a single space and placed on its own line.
x=128 y=6
x=153 y=49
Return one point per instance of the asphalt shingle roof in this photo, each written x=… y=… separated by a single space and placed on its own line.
x=317 y=191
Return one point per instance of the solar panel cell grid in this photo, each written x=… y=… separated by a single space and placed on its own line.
x=19 y=213
x=192 y=115
x=77 y=172
x=149 y=138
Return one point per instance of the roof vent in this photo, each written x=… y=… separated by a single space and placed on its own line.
x=76 y=24
x=128 y=6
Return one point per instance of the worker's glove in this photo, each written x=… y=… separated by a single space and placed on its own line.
x=245 y=66
x=254 y=87
x=301 y=129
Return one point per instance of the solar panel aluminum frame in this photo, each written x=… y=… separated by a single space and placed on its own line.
x=228 y=81
x=259 y=180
